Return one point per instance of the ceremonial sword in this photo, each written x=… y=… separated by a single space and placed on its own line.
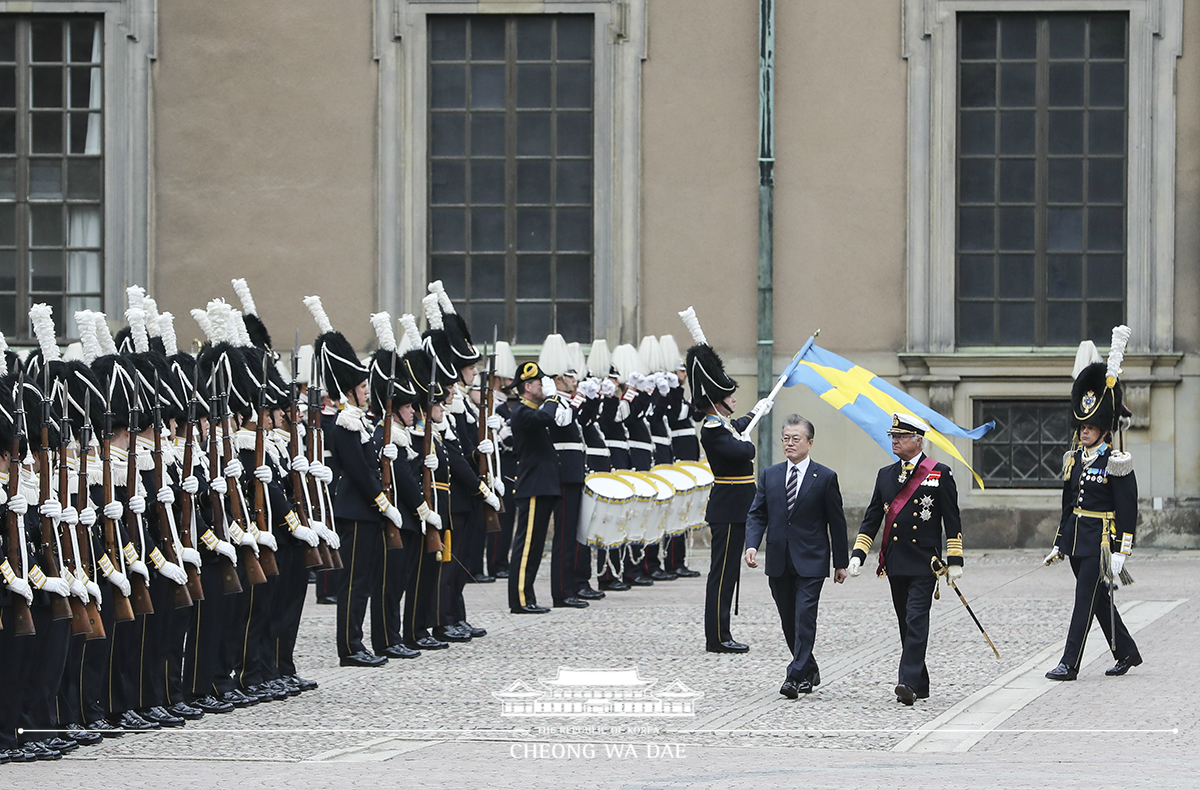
x=941 y=569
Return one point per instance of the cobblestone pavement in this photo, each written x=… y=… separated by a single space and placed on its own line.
x=434 y=720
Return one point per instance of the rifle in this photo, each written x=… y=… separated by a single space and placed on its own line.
x=491 y=518
x=266 y=556
x=22 y=619
x=187 y=507
x=166 y=536
x=81 y=617
x=315 y=448
x=140 y=590
x=255 y=573
x=60 y=608
x=231 y=585
x=122 y=608
x=84 y=534
x=391 y=531
x=433 y=538
x=313 y=557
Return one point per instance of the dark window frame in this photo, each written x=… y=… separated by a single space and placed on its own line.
x=1000 y=446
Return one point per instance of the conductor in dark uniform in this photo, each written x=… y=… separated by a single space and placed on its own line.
x=916 y=500
x=1099 y=513
x=798 y=507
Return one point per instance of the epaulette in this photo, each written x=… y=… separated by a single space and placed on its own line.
x=1119 y=464
x=1068 y=463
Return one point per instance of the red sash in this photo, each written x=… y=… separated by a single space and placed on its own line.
x=906 y=491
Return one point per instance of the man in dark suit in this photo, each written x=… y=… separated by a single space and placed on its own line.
x=916 y=500
x=798 y=506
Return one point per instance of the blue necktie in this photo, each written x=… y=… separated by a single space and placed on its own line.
x=792 y=488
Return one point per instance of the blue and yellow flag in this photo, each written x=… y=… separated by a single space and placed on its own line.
x=868 y=401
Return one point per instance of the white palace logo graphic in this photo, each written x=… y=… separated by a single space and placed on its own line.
x=598 y=692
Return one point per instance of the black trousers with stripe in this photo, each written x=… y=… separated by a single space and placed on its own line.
x=911 y=598
x=724 y=570
x=1092 y=600
x=206 y=621
x=362 y=557
x=566 y=554
x=420 y=594
x=529 y=540
x=386 y=609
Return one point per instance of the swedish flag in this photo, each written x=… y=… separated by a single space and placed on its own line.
x=868 y=401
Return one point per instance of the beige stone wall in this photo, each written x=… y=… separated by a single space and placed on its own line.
x=264 y=125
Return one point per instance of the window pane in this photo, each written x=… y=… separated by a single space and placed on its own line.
x=533 y=181
x=487 y=277
x=533 y=133
x=1017 y=180
x=1106 y=132
x=45 y=178
x=448 y=87
x=8 y=86
x=8 y=133
x=1064 y=323
x=46 y=131
x=1018 y=36
x=1017 y=82
x=978 y=85
x=487 y=87
x=1016 y=228
x=1017 y=132
x=574 y=182
x=533 y=229
x=1101 y=318
x=487 y=181
x=8 y=315
x=976 y=181
x=574 y=229
x=8 y=224
x=448 y=182
x=447 y=134
x=1106 y=180
x=1106 y=277
x=487 y=38
x=8 y=40
x=1064 y=229
x=85 y=88
x=533 y=277
x=448 y=38
x=46 y=226
x=575 y=134
x=1016 y=323
x=487 y=134
x=574 y=87
x=533 y=37
x=575 y=38
x=85 y=133
x=978 y=133
x=83 y=179
x=487 y=229
x=1064 y=277
x=1016 y=276
x=1106 y=228
x=452 y=271
x=1065 y=180
x=978 y=37
x=574 y=279
x=1066 y=132
x=8 y=270
x=448 y=230
x=574 y=321
x=8 y=179
x=46 y=88
x=1066 y=36
x=975 y=323
x=976 y=276
x=45 y=40
x=486 y=316
x=83 y=226
x=976 y=229
x=533 y=85
x=1107 y=85
x=1066 y=85
x=1108 y=36
x=533 y=322
x=46 y=270
x=85 y=42
x=83 y=272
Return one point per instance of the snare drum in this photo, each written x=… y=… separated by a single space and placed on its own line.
x=704 y=483
x=604 y=509
x=644 y=494
x=683 y=503
x=660 y=510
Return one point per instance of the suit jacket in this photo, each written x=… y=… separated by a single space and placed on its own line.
x=917 y=531
x=811 y=534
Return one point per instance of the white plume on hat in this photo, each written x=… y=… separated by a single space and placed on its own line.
x=220 y=318
x=411 y=335
x=1086 y=355
x=433 y=315
x=1116 y=352
x=383 y=330
x=313 y=303
x=575 y=353
x=627 y=360
x=693 y=324
x=437 y=289
x=3 y=355
x=506 y=363
x=136 y=317
x=599 y=361
x=166 y=330
x=43 y=329
x=304 y=366
x=87 y=335
x=242 y=289
x=241 y=333
x=151 y=308
x=135 y=296
x=672 y=359
x=103 y=334
x=554 y=360
x=651 y=354
x=201 y=318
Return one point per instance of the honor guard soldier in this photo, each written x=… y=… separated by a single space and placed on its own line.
x=916 y=500
x=685 y=445
x=731 y=457
x=499 y=544
x=1099 y=511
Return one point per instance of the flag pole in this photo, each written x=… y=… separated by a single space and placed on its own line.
x=782 y=377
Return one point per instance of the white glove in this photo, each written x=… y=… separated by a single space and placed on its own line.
x=114 y=510
x=648 y=384
x=855 y=567
x=498 y=487
x=174 y=573
x=486 y=447
x=548 y=388
x=118 y=580
x=54 y=584
x=51 y=508
x=955 y=572
x=634 y=380
x=226 y=549
x=562 y=416
x=672 y=380
x=392 y=515
x=589 y=388
x=494 y=422
x=267 y=540
x=93 y=590
x=492 y=501
x=1118 y=562
x=190 y=556
x=331 y=536
x=663 y=385
x=307 y=535
x=391 y=451
x=433 y=519
x=608 y=388
x=139 y=568
x=504 y=433
x=190 y=484
x=763 y=407
x=21 y=588
x=219 y=485
x=137 y=503
x=19 y=504
x=1053 y=556
x=300 y=464
x=76 y=588
x=431 y=461
x=248 y=540
x=234 y=468
x=87 y=516
x=166 y=495
x=322 y=472
x=263 y=474
x=69 y=516
x=622 y=410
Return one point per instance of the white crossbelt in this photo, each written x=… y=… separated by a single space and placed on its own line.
x=661 y=439
x=683 y=432
x=598 y=451
x=620 y=444
x=640 y=445
x=578 y=446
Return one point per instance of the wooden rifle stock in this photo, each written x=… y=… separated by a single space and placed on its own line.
x=187 y=511
x=139 y=590
x=84 y=535
x=230 y=584
x=391 y=531
x=22 y=619
x=255 y=571
x=182 y=597
x=433 y=538
x=491 y=518
x=266 y=557
x=313 y=557
x=319 y=490
x=81 y=622
x=60 y=608
x=122 y=606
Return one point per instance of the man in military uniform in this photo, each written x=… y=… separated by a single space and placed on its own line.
x=915 y=499
x=1099 y=513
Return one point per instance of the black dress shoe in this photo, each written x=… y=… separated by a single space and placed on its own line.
x=642 y=581
x=305 y=685
x=82 y=735
x=41 y=751
x=62 y=745
x=616 y=585
x=571 y=603
x=815 y=678
x=685 y=572
x=185 y=711
x=326 y=599
x=451 y=633
x=790 y=688
x=427 y=642
x=922 y=695
x=483 y=578
x=1062 y=672
x=530 y=609
x=1122 y=666
x=400 y=651
x=363 y=659
x=160 y=716
x=588 y=594
x=211 y=704
x=134 y=723
x=282 y=689
x=240 y=699
x=105 y=729
x=20 y=755
x=905 y=695
x=502 y=574
x=290 y=685
x=664 y=576
x=728 y=647
x=472 y=630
